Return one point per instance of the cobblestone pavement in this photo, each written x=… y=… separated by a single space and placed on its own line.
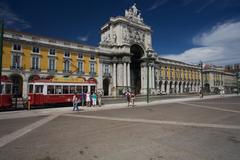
x=207 y=129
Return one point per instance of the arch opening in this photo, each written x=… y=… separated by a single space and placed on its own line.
x=135 y=68
x=17 y=87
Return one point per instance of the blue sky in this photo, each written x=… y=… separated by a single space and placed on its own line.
x=186 y=30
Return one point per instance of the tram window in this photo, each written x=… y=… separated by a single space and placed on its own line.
x=58 y=90
x=85 y=89
x=30 y=89
x=72 y=89
x=92 y=89
x=38 y=88
x=65 y=89
x=79 y=89
x=50 y=89
x=1 y=88
x=8 y=88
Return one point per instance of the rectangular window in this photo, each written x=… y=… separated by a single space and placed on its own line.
x=67 y=66
x=72 y=89
x=79 y=89
x=16 y=60
x=52 y=51
x=39 y=89
x=17 y=47
x=66 y=54
x=92 y=57
x=65 y=89
x=58 y=89
x=30 y=88
x=106 y=68
x=35 y=50
x=92 y=67
x=80 y=66
x=50 y=89
x=51 y=64
x=80 y=55
x=35 y=62
x=85 y=89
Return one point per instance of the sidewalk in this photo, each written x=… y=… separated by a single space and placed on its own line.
x=63 y=110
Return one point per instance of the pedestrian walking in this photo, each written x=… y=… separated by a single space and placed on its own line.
x=128 y=95
x=94 y=99
x=88 y=99
x=75 y=102
x=132 y=99
x=99 y=97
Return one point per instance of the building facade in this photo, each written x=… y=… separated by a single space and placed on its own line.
x=122 y=60
x=216 y=79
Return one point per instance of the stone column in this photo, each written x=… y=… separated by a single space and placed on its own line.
x=150 y=77
x=177 y=88
x=119 y=74
x=128 y=74
x=114 y=79
x=25 y=86
x=181 y=89
x=100 y=80
x=162 y=86
x=143 y=78
x=124 y=75
x=153 y=78
x=168 y=88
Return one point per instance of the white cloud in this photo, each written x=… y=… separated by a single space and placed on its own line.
x=12 y=20
x=205 y=5
x=83 y=38
x=157 y=4
x=221 y=45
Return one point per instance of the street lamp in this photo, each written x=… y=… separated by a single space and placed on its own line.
x=148 y=58
x=1 y=50
x=201 y=65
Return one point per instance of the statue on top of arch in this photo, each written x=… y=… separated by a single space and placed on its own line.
x=134 y=14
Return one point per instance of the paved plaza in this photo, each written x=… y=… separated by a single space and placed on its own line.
x=174 y=129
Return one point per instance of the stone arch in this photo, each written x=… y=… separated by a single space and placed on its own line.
x=160 y=85
x=135 y=67
x=175 y=87
x=179 y=85
x=207 y=87
x=17 y=88
x=106 y=83
x=184 y=85
x=165 y=86
x=171 y=87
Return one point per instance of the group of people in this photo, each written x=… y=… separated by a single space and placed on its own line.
x=130 y=98
x=88 y=99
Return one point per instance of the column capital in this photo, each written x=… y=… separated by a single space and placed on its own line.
x=114 y=60
x=126 y=59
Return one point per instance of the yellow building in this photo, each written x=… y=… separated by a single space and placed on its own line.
x=176 y=77
x=26 y=56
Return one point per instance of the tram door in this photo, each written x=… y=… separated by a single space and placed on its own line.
x=17 y=85
x=92 y=88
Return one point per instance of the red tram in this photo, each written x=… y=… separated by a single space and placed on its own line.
x=58 y=90
x=5 y=92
